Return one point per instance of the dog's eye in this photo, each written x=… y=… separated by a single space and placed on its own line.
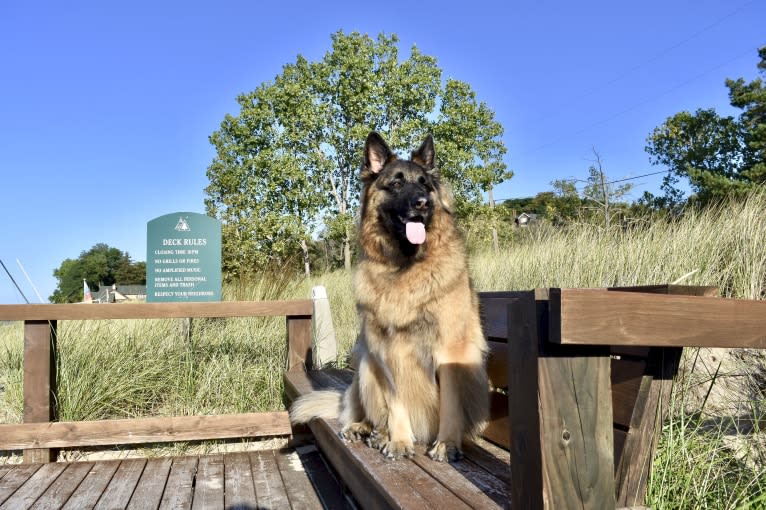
x=422 y=180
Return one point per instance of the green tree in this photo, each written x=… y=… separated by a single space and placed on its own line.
x=101 y=265
x=291 y=156
x=720 y=156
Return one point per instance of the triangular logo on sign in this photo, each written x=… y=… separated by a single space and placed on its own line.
x=182 y=225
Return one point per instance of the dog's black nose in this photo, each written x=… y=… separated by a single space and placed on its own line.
x=420 y=203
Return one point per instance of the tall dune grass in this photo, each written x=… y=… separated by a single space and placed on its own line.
x=723 y=246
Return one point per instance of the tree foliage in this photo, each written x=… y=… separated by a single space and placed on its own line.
x=719 y=155
x=101 y=265
x=287 y=163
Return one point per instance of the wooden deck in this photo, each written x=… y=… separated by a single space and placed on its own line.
x=479 y=481
x=246 y=480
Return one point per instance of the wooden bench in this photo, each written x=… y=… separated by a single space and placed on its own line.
x=526 y=369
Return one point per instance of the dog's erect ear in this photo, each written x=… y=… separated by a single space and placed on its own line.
x=424 y=156
x=376 y=153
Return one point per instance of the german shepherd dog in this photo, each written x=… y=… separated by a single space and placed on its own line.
x=420 y=359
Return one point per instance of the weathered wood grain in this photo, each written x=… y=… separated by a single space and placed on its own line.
x=148 y=492
x=90 y=489
x=39 y=380
x=561 y=424
x=472 y=484
x=155 y=310
x=300 y=491
x=143 y=430
x=208 y=490
x=299 y=349
x=239 y=491
x=117 y=494
x=595 y=317
x=179 y=489
x=60 y=491
x=269 y=487
x=34 y=487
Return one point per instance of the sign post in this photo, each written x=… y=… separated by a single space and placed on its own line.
x=183 y=258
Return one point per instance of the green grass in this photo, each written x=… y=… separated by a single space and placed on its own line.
x=115 y=369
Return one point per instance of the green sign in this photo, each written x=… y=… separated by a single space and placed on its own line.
x=183 y=258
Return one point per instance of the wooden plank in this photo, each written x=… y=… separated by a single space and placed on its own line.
x=15 y=478
x=681 y=290
x=61 y=490
x=90 y=489
x=269 y=487
x=498 y=427
x=602 y=318
x=34 y=487
x=626 y=376
x=493 y=319
x=491 y=458
x=376 y=482
x=476 y=487
x=179 y=489
x=117 y=494
x=239 y=491
x=79 y=311
x=619 y=445
x=39 y=381
x=497 y=364
x=633 y=466
x=297 y=469
x=148 y=492
x=561 y=427
x=297 y=383
x=299 y=347
x=143 y=430
x=208 y=491
x=523 y=377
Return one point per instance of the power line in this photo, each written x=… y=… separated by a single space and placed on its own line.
x=651 y=59
x=609 y=182
x=626 y=178
x=635 y=105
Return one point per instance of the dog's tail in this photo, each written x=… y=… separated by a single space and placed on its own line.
x=317 y=404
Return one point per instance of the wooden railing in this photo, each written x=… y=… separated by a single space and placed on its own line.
x=40 y=433
x=560 y=346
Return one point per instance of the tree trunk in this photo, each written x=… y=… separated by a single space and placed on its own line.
x=347 y=254
x=306 y=264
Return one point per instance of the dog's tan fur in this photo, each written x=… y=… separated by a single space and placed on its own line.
x=420 y=358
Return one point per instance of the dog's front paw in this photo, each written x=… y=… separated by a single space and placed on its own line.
x=356 y=431
x=442 y=451
x=377 y=439
x=398 y=449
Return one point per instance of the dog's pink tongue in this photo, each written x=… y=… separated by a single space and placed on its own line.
x=416 y=232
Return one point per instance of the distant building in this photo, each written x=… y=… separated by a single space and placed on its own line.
x=120 y=293
x=525 y=219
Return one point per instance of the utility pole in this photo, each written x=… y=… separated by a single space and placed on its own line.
x=495 y=243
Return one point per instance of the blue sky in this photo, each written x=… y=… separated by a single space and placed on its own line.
x=106 y=107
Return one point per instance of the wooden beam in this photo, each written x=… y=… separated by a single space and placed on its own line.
x=596 y=317
x=39 y=381
x=299 y=349
x=143 y=430
x=560 y=419
x=80 y=311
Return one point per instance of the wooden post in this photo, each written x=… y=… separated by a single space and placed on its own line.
x=39 y=381
x=299 y=342
x=560 y=416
